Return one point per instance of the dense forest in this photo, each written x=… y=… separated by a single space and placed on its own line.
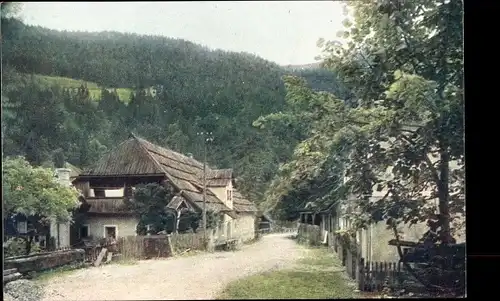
x=200 y=90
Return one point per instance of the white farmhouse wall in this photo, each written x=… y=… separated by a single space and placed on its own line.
x=244 y=227
x=61 y=231
x=374 y=241
x=228 y=224
x=125 y=226
x=220 y=193
x=229 y=187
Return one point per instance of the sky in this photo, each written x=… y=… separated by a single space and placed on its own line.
x=285 y=32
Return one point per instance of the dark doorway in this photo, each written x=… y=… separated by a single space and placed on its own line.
x=110 y=231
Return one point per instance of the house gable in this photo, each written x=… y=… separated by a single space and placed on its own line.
x=129 y=158
x=138 y=157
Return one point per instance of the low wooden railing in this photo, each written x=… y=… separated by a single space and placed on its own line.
x=278 y=230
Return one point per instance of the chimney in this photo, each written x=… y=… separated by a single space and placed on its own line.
x=63 y=176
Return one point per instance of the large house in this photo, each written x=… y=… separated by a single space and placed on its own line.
x=135 y=161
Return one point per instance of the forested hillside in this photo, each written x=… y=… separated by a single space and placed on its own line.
x=201 y=90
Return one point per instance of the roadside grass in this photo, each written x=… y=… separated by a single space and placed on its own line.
x=125 y=261
x=190 y=253
x=320 y=257
x=71 y=268
x=319 y=275
x=57 y=272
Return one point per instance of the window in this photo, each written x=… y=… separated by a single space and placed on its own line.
x=114 y=192
x=229 y=195
x=22 y=227
x=110 y=231
x=84 y=231
x=108 y=192
x=99 y=193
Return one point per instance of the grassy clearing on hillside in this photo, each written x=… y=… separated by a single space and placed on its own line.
x=94 y=89
x=319 y=275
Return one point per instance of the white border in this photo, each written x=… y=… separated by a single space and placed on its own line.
x=109 y=226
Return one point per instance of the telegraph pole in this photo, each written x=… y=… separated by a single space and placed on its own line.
x=207 y=137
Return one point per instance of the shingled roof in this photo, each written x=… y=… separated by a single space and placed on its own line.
x=137 y=156
x=240 y=204
x=218 y=177
x=74 y=171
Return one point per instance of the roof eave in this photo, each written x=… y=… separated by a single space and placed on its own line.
x=86 y=176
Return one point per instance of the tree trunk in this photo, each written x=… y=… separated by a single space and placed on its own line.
x=444 y=198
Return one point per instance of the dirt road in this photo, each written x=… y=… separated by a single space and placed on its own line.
x=196 y=277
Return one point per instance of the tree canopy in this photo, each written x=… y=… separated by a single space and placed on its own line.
x=34 y=191
x=400 y=133
x=150 y=201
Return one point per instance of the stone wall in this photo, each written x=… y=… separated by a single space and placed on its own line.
x=44 y=261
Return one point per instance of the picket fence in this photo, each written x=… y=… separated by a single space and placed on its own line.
x=374 y=276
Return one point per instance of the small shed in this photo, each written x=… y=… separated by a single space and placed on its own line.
x=265 y=222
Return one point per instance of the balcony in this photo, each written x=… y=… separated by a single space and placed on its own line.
x=110 y=205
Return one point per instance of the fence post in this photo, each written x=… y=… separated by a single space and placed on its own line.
x=341 y=253
x=348 y=263
x=170 y=247
x=360 y=276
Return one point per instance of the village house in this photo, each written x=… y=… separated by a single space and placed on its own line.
x=374 y=241
x=137 y=161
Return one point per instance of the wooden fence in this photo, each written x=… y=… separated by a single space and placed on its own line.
x=192 y=241
x=373 y=276
x=144 y=247
x=92 y=253
x=278 y=230
x=370 y=276
x=156 y=246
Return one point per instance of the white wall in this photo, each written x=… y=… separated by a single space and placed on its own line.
x=229 y=203
x=61 y=232
x=61 y=238
x=375 y=240
x=228 y=225
x=126 y=226
x=220 y=193
x=244 y=227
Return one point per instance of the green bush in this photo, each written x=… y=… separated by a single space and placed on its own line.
x=14 y=247
x=17 y=247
